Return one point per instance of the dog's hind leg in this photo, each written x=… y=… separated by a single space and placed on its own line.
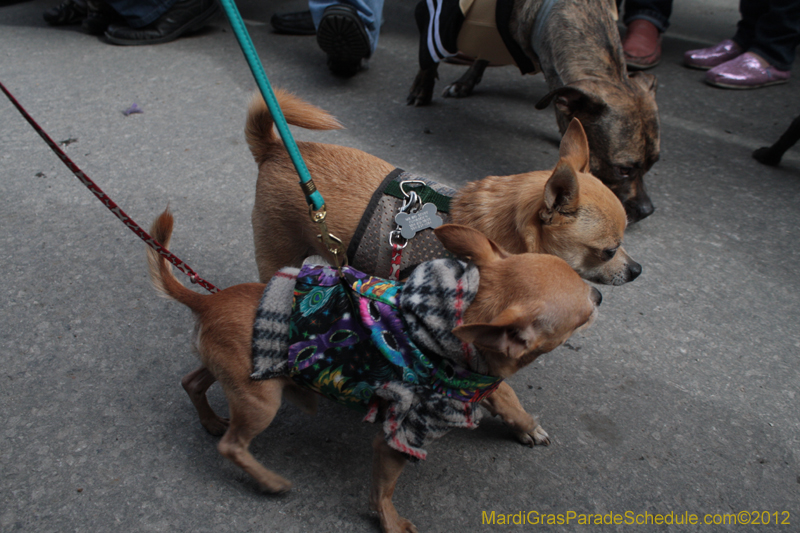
x=771 y=155
x=464 y=85
x=196 y=383
x=504 y=403
x=253 y=407
x=387 y=464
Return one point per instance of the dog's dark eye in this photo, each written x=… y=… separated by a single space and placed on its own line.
x=608 y=254
x=624 y=172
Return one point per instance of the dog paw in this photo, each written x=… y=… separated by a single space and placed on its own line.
x=766 y=156
x=408 y=527
x=391 y=521
x=401 y=526
x=537 y=436
x=276 y=485
x=421 y=92
x=216 y=426
x=458 y=90
x=419 y=99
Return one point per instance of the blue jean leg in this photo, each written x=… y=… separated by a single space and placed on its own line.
x=138 y=13
x=655 y=11
x=370 y=12
x=771 y=29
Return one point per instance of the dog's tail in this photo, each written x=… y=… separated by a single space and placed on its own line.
x=259 y=130
x=161 y=274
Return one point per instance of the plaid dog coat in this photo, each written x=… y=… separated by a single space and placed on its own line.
x=365 y=342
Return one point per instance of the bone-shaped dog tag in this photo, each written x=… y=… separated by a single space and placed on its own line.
x=412 y=223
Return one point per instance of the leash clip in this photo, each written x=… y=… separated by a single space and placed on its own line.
x=332 y=243
x=412 y=203
x=396 y=240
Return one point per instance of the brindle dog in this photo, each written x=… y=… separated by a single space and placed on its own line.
x=578 y=49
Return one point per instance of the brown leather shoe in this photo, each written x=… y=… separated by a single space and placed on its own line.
x=642 y=45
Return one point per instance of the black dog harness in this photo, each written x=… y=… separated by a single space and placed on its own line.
x=370 y=250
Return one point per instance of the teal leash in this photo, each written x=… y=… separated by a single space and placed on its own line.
x=313 y=197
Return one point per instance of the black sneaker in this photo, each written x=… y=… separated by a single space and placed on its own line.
x=185 y=16
x=341 y=35
x=297 y=23
x=66 y=13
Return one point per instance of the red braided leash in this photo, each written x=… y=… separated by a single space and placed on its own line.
x=109 y=203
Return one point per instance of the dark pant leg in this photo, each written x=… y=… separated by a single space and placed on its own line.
x=777 y=32
x=655 y=11
x=138 y=13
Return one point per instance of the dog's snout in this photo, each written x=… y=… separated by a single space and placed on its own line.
x=597 y=297
x=634 y=269
x=639 y=209
x=646 y=209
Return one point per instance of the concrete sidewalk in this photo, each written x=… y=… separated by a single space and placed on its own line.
x=682 y=398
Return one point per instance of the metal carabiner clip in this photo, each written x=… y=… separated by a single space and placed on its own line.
x=412 y=203
x=395 y=235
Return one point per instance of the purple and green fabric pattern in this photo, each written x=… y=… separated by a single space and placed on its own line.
x=347 y=338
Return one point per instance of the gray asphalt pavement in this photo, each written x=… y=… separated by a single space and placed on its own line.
x=682 y=398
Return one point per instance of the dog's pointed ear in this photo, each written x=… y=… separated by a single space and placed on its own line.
x=507 y=334
x=645 y=80
x=572 y=101
x=470 y=243
x=561 y=193
x=575 y=146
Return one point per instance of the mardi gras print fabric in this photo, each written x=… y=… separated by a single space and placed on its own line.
x=347 y=341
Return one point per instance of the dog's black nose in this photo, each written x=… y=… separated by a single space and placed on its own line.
x=634 y=269
x=638 y=209
x=597 y=297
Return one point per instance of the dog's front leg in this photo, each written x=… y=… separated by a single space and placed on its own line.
x=387 y=464
x=504 y=403
x=771 y=155
x=196 y=383
x=464 y=85
x=422 y=89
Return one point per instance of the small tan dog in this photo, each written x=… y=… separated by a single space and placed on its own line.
x=565 y=212
x=524 y=305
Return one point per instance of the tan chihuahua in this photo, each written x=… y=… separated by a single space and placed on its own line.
x=565 y=212
x=522 y=306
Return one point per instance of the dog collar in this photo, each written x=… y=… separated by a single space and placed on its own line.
x=538 y=27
